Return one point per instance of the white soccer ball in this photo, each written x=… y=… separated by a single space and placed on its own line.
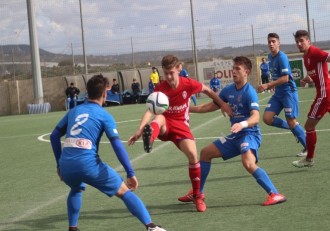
x=157 y=102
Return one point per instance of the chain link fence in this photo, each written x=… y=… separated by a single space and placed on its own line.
x=133 y=35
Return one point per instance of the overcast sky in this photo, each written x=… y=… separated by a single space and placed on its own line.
x=115 y=26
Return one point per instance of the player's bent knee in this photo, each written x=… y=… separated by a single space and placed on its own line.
x=122 y=190
x=268 y=120
x=207 y=156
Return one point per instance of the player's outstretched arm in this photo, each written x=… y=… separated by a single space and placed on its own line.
x=122 y=156
x=225 y=108
x=203 y=108
x=284 y=79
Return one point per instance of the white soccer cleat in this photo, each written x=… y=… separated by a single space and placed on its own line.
x=303 y=153
x=157 y=228
x=303 y=163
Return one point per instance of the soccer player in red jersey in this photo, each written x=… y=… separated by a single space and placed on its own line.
x=315 y=61
x=173 y=124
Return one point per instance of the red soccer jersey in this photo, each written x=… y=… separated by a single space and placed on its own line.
x=317 y=69
x=179 y=98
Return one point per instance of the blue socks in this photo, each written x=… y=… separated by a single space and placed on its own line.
x=136 y=207
x=205 y=169
x=264 y=181
x=260 y=175
x=280 y=123
x=299 y=132
x=132 y=202
x=74 y=202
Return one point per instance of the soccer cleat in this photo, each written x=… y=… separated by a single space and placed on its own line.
x=189 y=197
x=73 y=229
x=157 y=228
x=146 y=137
x=303 y=153
x=303 y=163
x=200 y=204
x=274 y=199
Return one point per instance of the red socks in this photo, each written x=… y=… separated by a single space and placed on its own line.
x=195 y=177
x=311 y=139
x=155 y=131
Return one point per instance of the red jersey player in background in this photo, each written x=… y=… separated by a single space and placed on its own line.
x=173 y=124
x=315 y=61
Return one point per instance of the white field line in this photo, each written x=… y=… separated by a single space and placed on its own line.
x=141 y=156
x=43 y=205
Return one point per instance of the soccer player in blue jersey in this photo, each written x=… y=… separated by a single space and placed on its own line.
x=215 y=83
x=78 y=163
x=285 y=96
x=245 y=137
x=264 y=67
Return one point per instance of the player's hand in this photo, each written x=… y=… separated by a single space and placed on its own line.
x=237 y=127
x=226 y=109
x=307 y=79
x=59 y=174
x=132 y=183
x=134 y=138
x=262 y=88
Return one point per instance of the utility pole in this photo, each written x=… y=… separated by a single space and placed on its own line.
x=307 y=12
x=72 y=60
x=194 y=40
x=13 y=60
x=35 y=58
x=83 y=38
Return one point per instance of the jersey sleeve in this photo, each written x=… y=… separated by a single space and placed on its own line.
x=253 y=100
x=110 y=127
x=320 y=55
x=284 y=65
x=196 y=86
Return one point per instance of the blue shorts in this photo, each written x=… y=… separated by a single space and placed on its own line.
x=289 y=101
x=233 y=145
x=99 y=175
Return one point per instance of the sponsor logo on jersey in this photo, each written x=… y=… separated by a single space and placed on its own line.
x=285 y=70
x=115 y=131
x=78 y=143
x=177 y=109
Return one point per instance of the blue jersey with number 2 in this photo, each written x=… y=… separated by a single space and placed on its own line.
x=84 y=127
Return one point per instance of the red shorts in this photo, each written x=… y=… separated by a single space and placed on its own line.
x=176 y=130
x=319 y=107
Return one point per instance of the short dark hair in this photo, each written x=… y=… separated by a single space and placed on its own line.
x=242 y=60
x=170 y=61
x=71 y=84
x=96 y=86
x=114 y=79
x=301 y=33
x=273 y=35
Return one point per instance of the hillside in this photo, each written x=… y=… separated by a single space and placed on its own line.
x=22 y=53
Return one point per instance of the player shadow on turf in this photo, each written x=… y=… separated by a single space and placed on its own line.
x=215 y=179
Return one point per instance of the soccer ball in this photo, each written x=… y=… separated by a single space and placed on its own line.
x=157 y=102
